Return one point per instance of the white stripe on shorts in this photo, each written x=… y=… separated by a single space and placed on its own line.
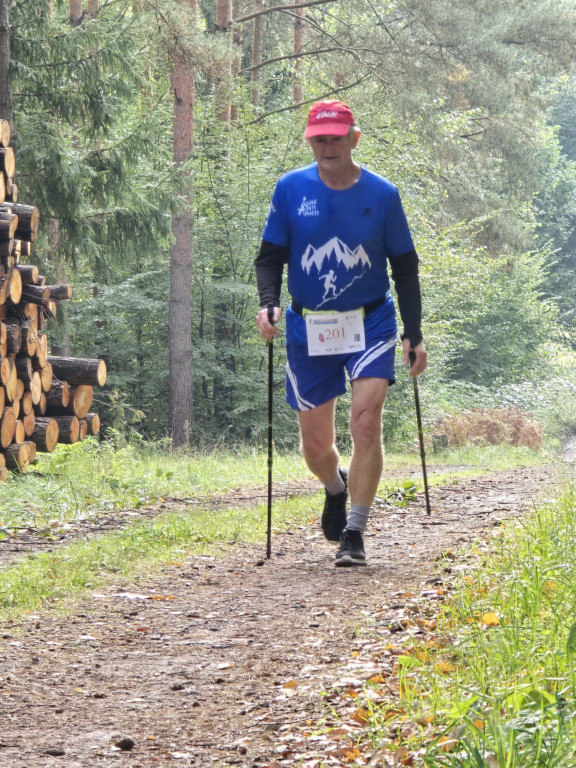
x=370 y=355
x=303 y=405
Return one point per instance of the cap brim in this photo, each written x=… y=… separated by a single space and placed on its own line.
x=327 y=129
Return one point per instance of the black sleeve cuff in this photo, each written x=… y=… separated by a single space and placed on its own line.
x=269 y=267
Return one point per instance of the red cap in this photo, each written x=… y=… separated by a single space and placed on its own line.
x=329 y=118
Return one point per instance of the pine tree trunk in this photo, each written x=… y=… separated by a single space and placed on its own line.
x=5 y=88
x=236 y=58
x=180 y=303
x=61 y=331
x=299 y=27
x=75 y=12
x=256 y=53
x=222 y=89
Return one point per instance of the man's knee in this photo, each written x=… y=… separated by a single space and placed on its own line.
x=315 y=447
x=366 y=426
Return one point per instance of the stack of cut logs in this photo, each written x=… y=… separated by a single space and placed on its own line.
x=43 y=399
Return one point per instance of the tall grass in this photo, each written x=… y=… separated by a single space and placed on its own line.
x=91 y=478
x=496 y=678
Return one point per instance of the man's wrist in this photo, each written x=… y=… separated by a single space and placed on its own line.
x=415 y=338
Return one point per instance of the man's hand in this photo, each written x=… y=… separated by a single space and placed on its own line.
x=419 y=354
x=266 y=329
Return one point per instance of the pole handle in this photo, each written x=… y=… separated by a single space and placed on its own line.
x=270 y=308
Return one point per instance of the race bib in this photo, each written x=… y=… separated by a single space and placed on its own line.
x=335 y=333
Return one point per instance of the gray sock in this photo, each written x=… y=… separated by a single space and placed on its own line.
x=336 y=485
x=358 y=518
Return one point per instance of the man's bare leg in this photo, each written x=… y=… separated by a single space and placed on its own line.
x=318 y=441
x=368 y=396
x=318 y=446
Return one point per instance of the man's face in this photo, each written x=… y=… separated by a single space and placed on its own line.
x=334 y=153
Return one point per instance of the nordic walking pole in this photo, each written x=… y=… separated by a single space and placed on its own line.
x=270 y=449
x=420 y=435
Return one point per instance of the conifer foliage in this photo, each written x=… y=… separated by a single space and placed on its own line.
x=123 y=109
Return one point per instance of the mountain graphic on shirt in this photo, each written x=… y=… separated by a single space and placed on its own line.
x=338 y=266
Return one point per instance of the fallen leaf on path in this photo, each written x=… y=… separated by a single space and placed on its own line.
x=379 y=678
x=447 y=744
x=338 y=733
x=361 y=716
x=392 y=713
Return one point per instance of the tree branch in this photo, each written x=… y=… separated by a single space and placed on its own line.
x=333 y=92
x=288 y=56
x=381 y=20
x=291 y=7
x=472 y=135
x=350 y=51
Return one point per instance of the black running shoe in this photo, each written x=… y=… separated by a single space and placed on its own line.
x=351 y=549
x=334 y=513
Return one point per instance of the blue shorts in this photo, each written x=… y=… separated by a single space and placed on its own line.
x=313 y=381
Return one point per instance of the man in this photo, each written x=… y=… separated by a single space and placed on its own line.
x=337 y=225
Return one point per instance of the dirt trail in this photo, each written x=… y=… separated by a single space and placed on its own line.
x=224 y=662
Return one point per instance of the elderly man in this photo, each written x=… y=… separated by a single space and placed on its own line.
x=337 y=226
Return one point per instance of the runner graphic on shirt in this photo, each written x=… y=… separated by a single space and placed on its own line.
x=329 y=285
